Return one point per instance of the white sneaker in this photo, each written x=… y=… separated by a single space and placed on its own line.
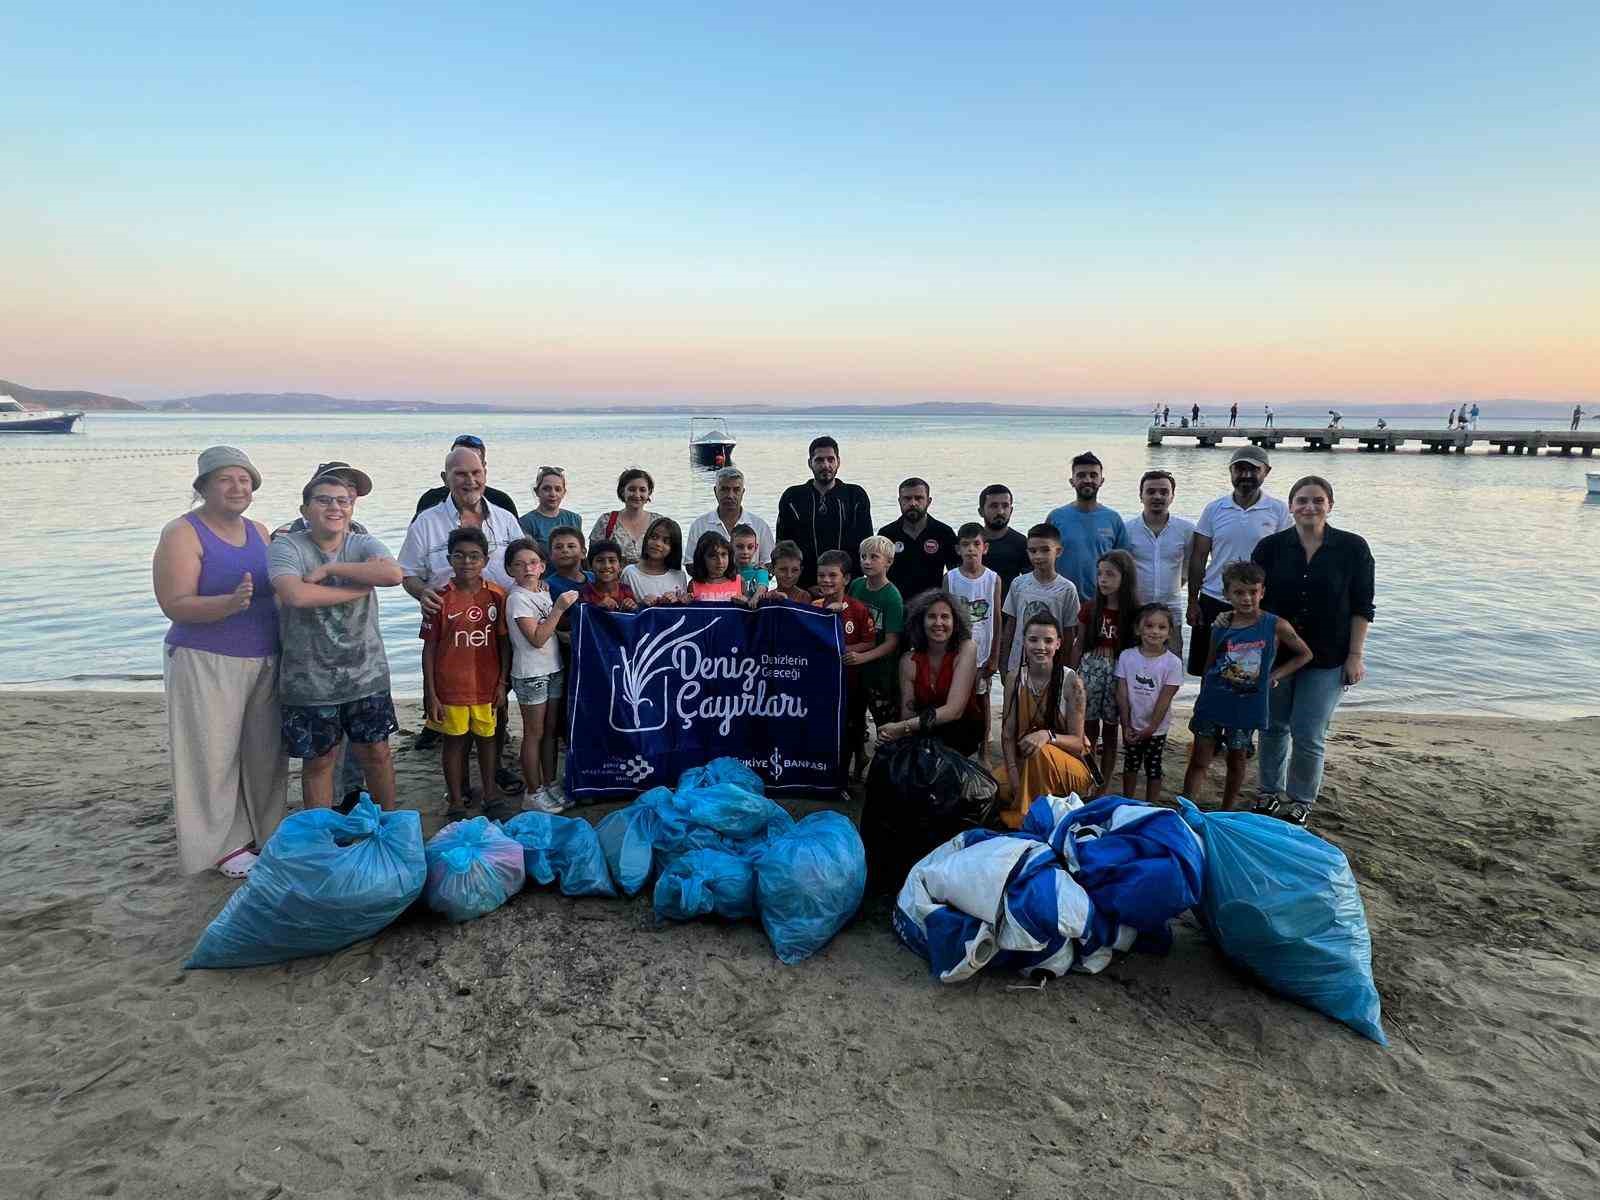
x=554 y=791
x=543 y=801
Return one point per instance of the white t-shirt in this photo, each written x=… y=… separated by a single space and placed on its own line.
x=1160 y=558
x=1234 y=532
x=528 y=660
x=647 y=587
x=426 y=553
x=708 y=521
x=1145 y=678
x=980 y=597
x=1027 y=596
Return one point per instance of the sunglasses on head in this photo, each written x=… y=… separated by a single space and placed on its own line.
x=471 y=441
x=543 y=471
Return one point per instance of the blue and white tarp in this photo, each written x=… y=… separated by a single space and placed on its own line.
x=1075 y=885
x=657 y=692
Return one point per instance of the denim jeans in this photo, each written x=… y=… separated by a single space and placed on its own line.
x=1299 y=709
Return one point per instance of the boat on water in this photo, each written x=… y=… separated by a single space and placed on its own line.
x=710 y=443
x=16 y=419
x=1594 y=482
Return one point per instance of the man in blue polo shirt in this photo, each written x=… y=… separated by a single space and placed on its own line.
x=1088 y=528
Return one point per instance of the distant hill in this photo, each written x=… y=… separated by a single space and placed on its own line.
x=307 y=402
x=87 y=401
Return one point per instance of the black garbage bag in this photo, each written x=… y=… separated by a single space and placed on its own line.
x=920 y=794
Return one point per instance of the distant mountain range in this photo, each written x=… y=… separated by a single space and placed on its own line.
x=71 y=401
x=309 y=402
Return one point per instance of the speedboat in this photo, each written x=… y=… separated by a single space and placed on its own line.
x=16 y=419
x=710 y=444
x=1594 y=482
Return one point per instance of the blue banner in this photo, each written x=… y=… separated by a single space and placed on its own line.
x=655 y=692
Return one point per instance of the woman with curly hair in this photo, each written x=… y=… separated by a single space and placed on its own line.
x=938 y=676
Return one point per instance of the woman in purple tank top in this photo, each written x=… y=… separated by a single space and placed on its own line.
x=220 y=666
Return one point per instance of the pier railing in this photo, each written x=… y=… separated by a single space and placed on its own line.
x=1435 y=441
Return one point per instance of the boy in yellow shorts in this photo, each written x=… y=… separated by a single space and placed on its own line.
x=466 y=660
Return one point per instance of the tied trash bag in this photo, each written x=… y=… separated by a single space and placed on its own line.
x=920 y=794
x=627 y=840
x=722 y=770
x=706 y=881
x=809 y=883
x=1282 y=903
x=562 y=850
x=473 y=868
x=323 y=881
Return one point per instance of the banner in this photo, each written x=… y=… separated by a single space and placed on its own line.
x=655 y=692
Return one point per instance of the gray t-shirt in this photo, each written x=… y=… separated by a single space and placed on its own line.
x=335 y=654
x=1026 y=596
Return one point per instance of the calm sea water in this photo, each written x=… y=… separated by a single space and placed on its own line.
x=1488 y=576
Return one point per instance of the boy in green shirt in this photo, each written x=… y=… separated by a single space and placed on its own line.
x=880 y=675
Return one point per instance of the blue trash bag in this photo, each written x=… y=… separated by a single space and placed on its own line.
x=473 y=868
x=722 y=770
x=627 y=840
x=323 y=881
x=562 y=850
x=809 y=884
x=1283 y=904
x=706 y=881
x=735 y=812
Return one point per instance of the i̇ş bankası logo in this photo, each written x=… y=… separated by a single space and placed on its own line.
x=668 y=676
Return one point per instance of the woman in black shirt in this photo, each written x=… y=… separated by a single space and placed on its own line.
x=1320 y=580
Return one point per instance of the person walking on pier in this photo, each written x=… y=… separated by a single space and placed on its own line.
x=1269 y=416
x=1233 y=414
x=1166 y=414
x=1474 y=415
x=1194 y=414
x=1461 y=417
x=1450 y=421
x=1577 y=415
x=1228 y=530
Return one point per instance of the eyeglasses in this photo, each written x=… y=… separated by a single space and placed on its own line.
x=331 y=501
x=470 y=440
x=467 y=556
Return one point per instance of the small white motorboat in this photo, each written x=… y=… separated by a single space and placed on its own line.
x=710 y=444
x=1594 y=482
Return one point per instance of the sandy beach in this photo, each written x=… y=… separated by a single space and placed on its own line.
x=576 y=1048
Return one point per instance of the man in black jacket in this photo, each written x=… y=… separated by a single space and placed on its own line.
x=824 y=514
x=493 y=495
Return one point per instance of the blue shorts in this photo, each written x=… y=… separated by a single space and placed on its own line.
x=311 y=730
x=1226 y=739
x=537 y=689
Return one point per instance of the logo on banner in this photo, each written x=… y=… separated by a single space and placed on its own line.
x=665 y=676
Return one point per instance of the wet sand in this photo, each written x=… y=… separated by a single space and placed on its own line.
x=578 y=1048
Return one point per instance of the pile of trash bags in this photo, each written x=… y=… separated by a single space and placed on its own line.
x=323 y=881
x=473 y=868
x=920 y=794
x=1073 y=886
x=1283 y=904
x=717 y=846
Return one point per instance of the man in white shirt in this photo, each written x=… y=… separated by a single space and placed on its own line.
x=1160 y=544
x=729 y=513
x=425 y=557
x=1228 y=530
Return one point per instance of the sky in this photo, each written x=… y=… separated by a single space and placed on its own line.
x=1059 y=203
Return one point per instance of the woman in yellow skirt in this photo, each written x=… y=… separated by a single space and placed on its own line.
x=1042 y=736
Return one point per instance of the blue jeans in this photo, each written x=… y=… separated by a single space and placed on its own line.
x=1299 y=708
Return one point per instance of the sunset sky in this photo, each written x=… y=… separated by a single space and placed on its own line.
x=1375 y=202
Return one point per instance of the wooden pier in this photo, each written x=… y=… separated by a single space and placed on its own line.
x=1432 y=441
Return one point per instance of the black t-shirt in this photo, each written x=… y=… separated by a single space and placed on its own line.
x=1006 y=555
x=494 y=496
x=920 y=562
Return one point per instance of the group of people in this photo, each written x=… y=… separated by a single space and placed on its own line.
x=274 y=649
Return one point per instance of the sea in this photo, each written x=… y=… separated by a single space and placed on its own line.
x=1488 y=576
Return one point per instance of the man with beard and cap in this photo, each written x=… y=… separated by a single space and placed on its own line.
x=1088 y=528
x=1228 y=530
x=1006 y=550
x=1160 y=544
x=924 y=547
x=824 y=513
x=425 y=554
x=494 y=496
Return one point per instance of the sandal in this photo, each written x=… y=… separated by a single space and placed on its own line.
x=1297 y=813
x=237 y=864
